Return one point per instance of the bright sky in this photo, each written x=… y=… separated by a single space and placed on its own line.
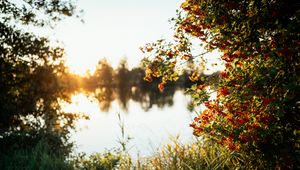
x=114 y=29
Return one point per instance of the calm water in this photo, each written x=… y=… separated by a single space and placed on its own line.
x=149 y=127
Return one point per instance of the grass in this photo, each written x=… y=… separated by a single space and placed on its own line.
x=202 y=154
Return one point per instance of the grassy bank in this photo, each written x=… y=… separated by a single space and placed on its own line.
x=201 y=154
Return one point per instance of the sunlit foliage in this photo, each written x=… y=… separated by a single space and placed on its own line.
x=257 y=103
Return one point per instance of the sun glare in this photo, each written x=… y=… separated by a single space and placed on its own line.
x=80 y=103
x=80 y=68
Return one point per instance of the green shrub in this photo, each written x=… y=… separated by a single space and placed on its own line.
x=102 y=161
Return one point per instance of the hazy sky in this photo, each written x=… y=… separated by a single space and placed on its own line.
x=114 y=29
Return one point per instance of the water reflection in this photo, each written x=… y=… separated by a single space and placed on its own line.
x=146 y=97
x=149 y=129
x=121 y=84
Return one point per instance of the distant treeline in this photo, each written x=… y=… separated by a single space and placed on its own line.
x=107 y=84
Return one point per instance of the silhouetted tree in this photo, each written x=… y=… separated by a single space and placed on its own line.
x=31 y=73
x=124 y=83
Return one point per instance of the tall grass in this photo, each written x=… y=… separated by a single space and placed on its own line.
x=41 y=157
x=201 y=154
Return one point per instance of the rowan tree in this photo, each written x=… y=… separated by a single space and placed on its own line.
x=257 y=103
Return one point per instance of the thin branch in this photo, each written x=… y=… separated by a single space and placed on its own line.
x=195 y=56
